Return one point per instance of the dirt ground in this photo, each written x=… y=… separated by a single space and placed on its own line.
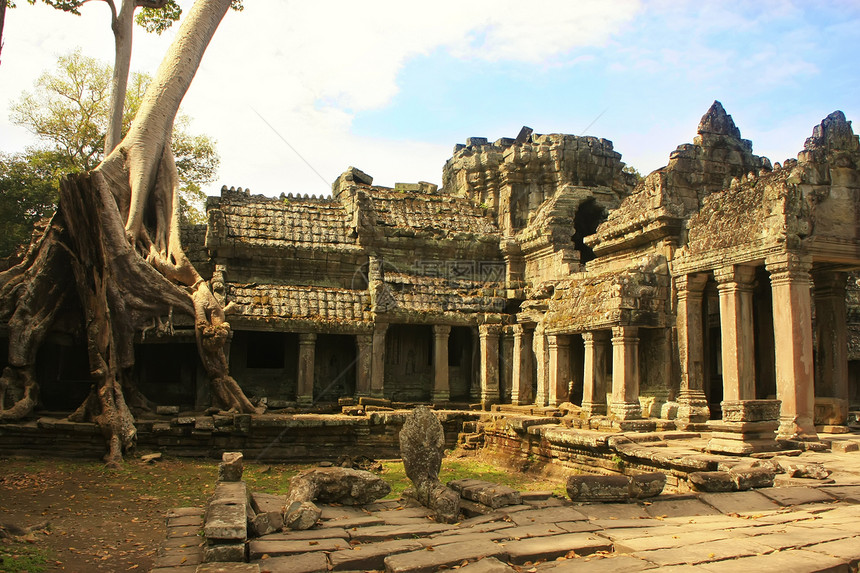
x=100 y=520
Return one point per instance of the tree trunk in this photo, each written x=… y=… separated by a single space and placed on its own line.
x=123 y=30
x=2 y=20
x=114 y=241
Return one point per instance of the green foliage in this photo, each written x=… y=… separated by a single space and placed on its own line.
x=158 y=20
x=632 y=171
x=23 y=558
x=69 y=108
x=28 y=192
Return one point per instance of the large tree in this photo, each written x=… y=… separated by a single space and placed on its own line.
x=114 y=246
x=69 y=110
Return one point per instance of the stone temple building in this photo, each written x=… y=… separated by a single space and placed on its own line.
x=719 y=287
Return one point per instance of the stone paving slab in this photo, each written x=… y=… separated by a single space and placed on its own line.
x=184 y=569
x=427 y=560
x=786 y=496
x=332 y=512
x=613 y=511
x=315 y=562
x=531 y=550
x=487 y=565
x=793 y=561
x=798 y=538
x=498 y=535
x=353 y=522
x=550 y=515
x=386 y=532
x=371 y=556
x=849 y=493
x=257 y=548
x=740 y=502
x=228 y=568
x=704 y=552
x=325 y=533
x=608 y=564
x=649 y=542
x=846 y=549
x=679 y=508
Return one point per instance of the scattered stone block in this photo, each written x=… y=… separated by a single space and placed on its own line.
x=830 y=411
x=231 y=467
x=747 y=477
x=229 y=552
x=844 y=446
x=808 y=471
x=228 y=568
x=337 y=485
x=150 y=458
x=711 y=481
x=167 y=410
x=488 y=493
x=614 y=488
x=301 y=515
x=371 y=556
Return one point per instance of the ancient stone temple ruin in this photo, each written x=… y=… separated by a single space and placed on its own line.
x=719 y=287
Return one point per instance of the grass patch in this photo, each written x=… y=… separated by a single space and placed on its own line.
x=22 y=558
x=470 y=468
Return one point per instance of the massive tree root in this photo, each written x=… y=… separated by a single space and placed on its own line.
x=114 y=242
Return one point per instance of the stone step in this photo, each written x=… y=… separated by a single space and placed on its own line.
x=371 y=556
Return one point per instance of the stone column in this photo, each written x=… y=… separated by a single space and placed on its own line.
x=506 y=374
x=441 y=388
x=541 y=370
x=625 y=373
x=734 y=283
x=831 y=339
x=377 y=370
x=792 y=333
x=559 y=368
x=522 y=370
x=307 y=353
x=594 y=372
x=692 y=402
x=363 y=363
x=489 y=336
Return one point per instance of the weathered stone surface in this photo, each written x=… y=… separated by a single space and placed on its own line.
x=647 y=485
x=371 y=556
x=787 y=496
x=680 y=507
x=739 y=502
x=265 y=523
x=844 y=446
x=607 y=564
x=313 y=562
x=486 y=565
x=339 y=485
x=383 y=532
x=711 y=481
x=746 y=477
x=555 y=546
x=219 y=552
x=422 y=443
x=301 y=515
x=447 y=555
x=490 y=494
x=228 y=568
x=259 y=547
x=598 y=488
x=808 y=470
x=226 y=522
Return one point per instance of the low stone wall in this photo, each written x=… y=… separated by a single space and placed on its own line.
x=265 y=438
x=535 y=441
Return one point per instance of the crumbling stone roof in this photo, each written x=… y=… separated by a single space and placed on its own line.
x=295 y=302
x=238 y=217
x=437 y=295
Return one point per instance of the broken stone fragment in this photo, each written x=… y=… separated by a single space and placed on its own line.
x=809 y=471
x=747 y=477
x=231 y=466
x=301 y=515
x=712 y=481
x=337 y=485
x=598 y=488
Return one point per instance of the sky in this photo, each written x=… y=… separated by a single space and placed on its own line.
x=295 y=92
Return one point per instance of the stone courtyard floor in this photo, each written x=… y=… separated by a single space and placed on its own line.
x=800 y=526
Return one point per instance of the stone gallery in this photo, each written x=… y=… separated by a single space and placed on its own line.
x=719 y=288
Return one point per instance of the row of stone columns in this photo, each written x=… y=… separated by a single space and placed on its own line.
x=793 y=341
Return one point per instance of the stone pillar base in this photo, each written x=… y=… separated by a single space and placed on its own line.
x=743 y=438
x=796 y=429
x=305 y=400
x=594 y=408
x=626 y=411
x=692 y=408
x=440 y=396
x=747 y=427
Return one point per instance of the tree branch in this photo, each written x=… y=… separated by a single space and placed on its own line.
x=155 y=4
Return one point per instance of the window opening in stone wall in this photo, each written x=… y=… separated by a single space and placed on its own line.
x=589 y=215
